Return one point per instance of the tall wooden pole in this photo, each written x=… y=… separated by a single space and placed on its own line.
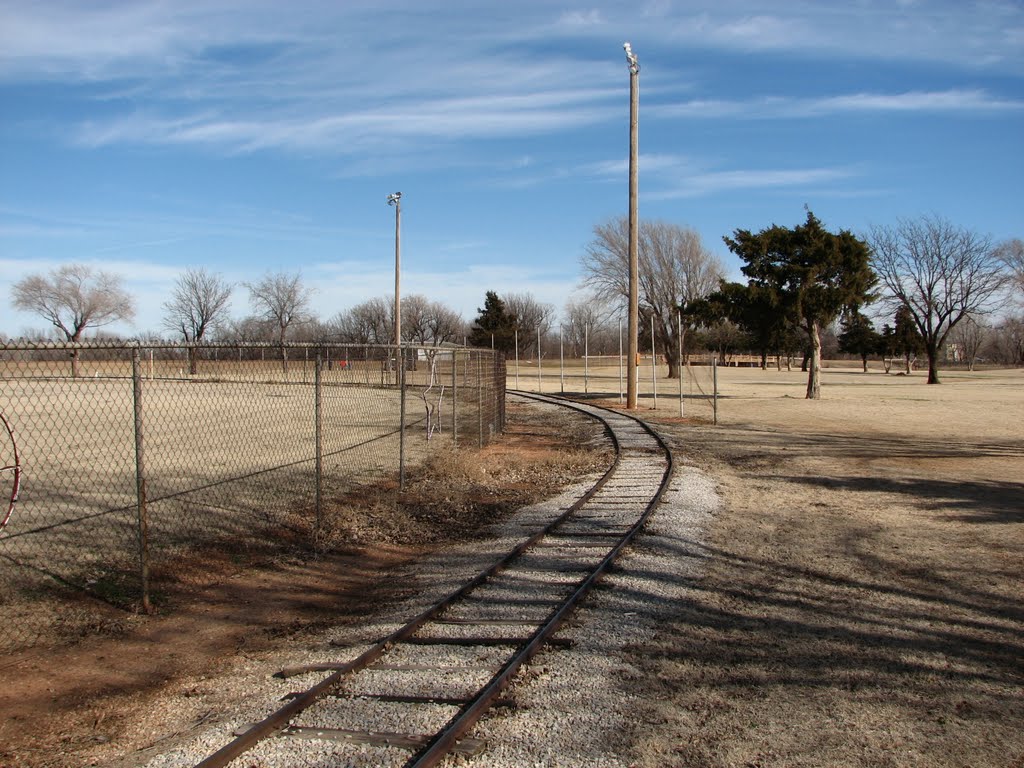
x=396 y=200
x=634 y=309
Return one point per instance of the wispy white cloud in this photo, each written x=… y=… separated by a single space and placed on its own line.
x=431 y=45
x=238 y=76
x=968 y=101
x=955 y=33
x=650 y=163
x=714 y=182
x=954 y=100
x=668 y=176
x=479 y=117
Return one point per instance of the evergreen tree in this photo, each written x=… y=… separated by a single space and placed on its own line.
x=494 y=326
x=858 y=336
x=815 y=274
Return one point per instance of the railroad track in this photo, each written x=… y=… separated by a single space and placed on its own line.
x=413 y=697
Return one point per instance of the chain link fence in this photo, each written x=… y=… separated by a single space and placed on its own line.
x=693 y=394
x=133 y=458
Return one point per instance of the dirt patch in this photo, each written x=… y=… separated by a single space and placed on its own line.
x=89 y=702
x=862 y=599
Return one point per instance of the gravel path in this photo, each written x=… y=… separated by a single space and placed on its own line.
x=576 y=707
x=573 y=707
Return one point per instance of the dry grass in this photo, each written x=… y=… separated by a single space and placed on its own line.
x=102 y=697
x=452 y=493
x=862 y=599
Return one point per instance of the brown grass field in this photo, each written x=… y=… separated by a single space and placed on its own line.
x=861 y=603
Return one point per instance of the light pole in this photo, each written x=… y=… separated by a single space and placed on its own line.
x=634 y=320
x=396 y=200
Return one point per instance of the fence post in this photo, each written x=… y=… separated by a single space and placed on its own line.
x=401 y=417
x=714 y=387
x=499 y=383
x=586 y=357
x=620 y=361
x=140 y=481
x=455 y=397
x=679 y=360
x=540 y=383
x=480 y=397
x=561 y=361
x=654 y=365
x=319 y=437
x=517 y=357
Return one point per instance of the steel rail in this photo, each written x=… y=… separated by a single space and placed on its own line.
x=444 y=741
x=438 y=747
x=280 y=719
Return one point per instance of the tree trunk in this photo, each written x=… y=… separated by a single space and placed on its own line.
x=284 y=353
x=75 y=354
x=192 y=364
x=933 y=364
x=864 y=359
x=814 y=376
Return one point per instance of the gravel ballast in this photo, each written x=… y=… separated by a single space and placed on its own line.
x=572 y=707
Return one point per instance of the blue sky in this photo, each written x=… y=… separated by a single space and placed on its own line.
x=242 y=136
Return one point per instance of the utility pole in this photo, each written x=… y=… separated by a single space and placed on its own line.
x=634 y=309
x=396 y=200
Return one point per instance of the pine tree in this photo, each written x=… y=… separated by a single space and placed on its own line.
x=494 y=326
x=815 y=274
x=858 y=337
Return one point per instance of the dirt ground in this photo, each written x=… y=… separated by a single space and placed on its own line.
x=98 y=699
x=861 y=604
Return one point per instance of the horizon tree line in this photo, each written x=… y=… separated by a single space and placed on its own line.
x=924 y=273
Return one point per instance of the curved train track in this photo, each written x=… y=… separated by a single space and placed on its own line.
x=444 y=669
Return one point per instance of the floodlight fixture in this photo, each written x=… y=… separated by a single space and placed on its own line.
x=394 y=197
x=634 y=65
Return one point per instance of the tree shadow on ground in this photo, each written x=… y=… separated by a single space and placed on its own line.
x=855 y=582
x=761 y=654
x=968 y=502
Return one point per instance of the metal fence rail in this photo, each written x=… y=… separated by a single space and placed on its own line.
x=132 y=457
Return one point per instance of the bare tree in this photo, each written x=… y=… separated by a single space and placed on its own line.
x=584 y=321
x=415 y=311
x=282 y=299
x=428 y=322
x=371 y=322
x=674 y=268
x=74 y=297
x=1005 y=344
x=1011 y=254
x=198 y=301
x=940 y=272
x=444 y=324
x=969 y=337
x=248 y=329
x=529 y=316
